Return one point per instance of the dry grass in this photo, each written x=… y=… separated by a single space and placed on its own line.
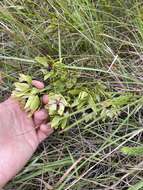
x=102 y=40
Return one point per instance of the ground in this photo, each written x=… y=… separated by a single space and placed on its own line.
x=103 y=40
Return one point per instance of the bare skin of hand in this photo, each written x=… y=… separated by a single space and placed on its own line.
x=19 y=137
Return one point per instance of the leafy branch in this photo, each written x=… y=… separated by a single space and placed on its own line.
x=67 y=96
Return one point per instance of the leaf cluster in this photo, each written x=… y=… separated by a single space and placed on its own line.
x=66 y=96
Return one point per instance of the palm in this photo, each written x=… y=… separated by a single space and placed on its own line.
x=18 y=136
x=17 y=126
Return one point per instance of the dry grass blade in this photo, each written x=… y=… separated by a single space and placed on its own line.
x=130 y=172
x=102 y=42
x=47 y=186
x=68 y=171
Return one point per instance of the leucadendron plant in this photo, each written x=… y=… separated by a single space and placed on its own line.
x=66 y=96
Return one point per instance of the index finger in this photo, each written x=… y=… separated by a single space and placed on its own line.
x=38 y=84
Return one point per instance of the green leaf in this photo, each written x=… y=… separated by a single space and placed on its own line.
x=92 y=104
x=59 y=65
x=56 y=104
x=34 y=91
x=61 y=108
x=74 y=91
x=64 y=122
x=28 y=103
x=21 y=86
x=33 y=103
x=137 y=186
x=71 y=82
x=58 y=98
x=59 y=86
x=133 y=151
x=121 y=100
x=63 y=101
x=18 y=94
x=83 y=95
x=75 y=102
x=42 y=60
x=52 y=107
x=48 y=75
x=25 y=78
x=52 y=104
x=103 y=114
x=81 y=104
x=55 y=122
x=44 y=71
x=106 y=103
x=81 y=100
x=109 y=113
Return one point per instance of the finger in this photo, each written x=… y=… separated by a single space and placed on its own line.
x=40 y=117
x=44 y=131
x=38 y=84
x=46 y=128
x=45 y=99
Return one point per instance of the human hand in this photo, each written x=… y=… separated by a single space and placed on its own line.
x=19 y=137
